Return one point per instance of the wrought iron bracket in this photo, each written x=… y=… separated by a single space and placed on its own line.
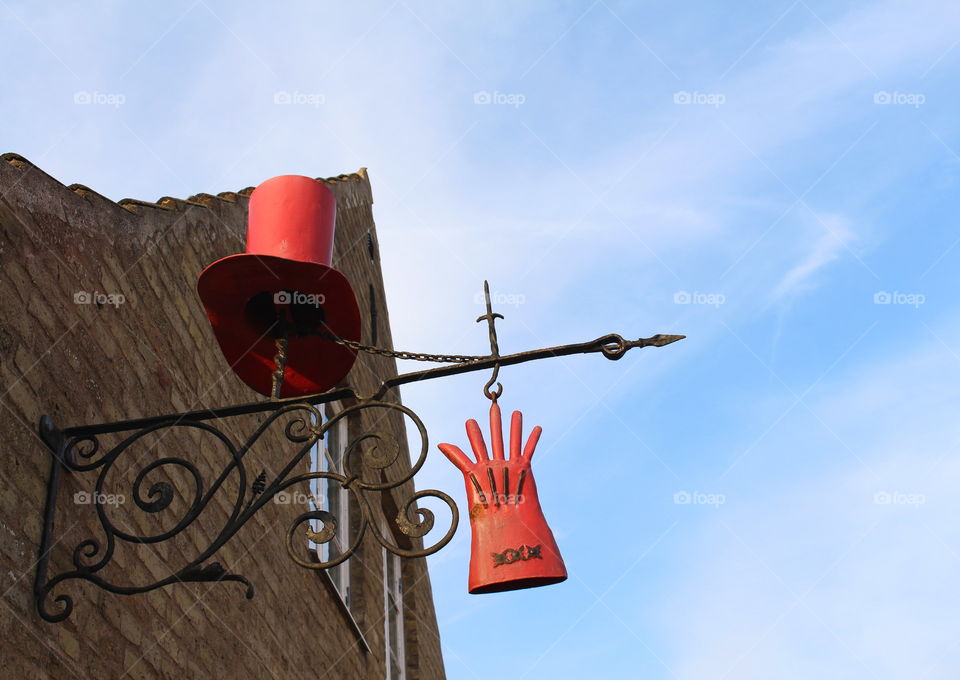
x=77 y=450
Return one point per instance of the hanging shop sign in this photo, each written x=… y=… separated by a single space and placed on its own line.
x=288 y=325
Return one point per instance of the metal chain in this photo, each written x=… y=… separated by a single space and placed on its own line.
x=399 y=354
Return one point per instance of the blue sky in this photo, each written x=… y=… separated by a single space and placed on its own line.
x=778 y=181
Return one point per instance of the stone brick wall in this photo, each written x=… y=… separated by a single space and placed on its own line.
x=151 y=354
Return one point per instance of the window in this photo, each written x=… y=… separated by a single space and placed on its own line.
x=329 y=495
x=393 y=616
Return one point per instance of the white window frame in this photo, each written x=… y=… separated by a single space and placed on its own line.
x=327 y=456
x=394 y=648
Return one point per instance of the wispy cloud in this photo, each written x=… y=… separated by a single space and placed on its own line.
x=836 y=238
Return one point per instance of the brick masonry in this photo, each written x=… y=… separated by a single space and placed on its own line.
x=153 y=354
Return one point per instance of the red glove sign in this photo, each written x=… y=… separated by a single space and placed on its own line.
x=512 y=546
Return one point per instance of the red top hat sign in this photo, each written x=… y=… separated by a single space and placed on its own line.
x=284 y=286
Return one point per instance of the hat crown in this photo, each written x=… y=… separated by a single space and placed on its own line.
x=293 y=217
x=285 y=272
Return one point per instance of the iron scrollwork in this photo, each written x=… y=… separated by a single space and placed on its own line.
x=80 y=451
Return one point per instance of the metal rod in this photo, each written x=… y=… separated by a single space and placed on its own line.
x=612 y=346
x=280 y=365
x=55 y=443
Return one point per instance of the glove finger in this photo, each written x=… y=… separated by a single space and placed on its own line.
x=456 y=456
x=532 y=442
x=476 y=441
x=516 y=434
x=496 y=431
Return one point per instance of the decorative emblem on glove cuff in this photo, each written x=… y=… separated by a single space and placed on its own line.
x=511 y=555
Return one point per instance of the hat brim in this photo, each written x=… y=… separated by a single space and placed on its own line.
x=314 y=364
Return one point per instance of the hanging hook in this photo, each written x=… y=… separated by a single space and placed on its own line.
x=487 y=392
x=491 y=319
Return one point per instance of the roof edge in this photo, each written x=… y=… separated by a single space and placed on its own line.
x=169 y=203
